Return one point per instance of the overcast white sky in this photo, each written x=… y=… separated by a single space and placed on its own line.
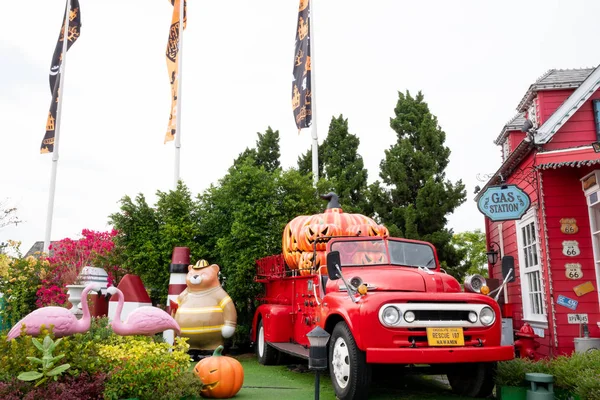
x=473 y=60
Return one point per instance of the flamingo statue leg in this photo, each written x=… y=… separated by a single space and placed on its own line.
x=145 y=320
x=63 y=320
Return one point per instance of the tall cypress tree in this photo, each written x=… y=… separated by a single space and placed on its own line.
x=416 y=197
x=267 y=151
x=341 y=165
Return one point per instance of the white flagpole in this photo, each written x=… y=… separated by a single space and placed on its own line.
x=61 y=94
x=315 y=142
x=179 y=79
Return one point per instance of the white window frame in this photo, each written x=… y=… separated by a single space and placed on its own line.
x=593 y=211
x=537 y=319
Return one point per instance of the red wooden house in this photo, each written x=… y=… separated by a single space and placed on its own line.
x=548 y=152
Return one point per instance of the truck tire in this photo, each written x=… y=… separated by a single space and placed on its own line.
x=348 y=368
x=472 y=379
x=266 y=354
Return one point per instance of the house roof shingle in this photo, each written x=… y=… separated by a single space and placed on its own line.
x=514 y=124
x=555 y=79
x=37 y=248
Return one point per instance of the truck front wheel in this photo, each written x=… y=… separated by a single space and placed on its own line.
x=472 y=379
x=266 y=354
x=348 y=367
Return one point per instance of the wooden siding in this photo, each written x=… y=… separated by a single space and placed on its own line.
x=579 y=130
x=509 y=237
x=515 y=137
x=564 y=198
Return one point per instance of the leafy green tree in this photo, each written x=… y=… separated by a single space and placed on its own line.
x=472 y=244
x=148 y=235
x=415 y=198
x=242 y=220
x=266 y=153
x=341 y=165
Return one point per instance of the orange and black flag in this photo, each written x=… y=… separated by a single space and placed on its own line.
x=172 y=66
x=301 y=87
x=72 y=34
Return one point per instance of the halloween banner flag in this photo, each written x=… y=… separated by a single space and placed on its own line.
x=172 y=65
x=73 y=33
x=301 y=87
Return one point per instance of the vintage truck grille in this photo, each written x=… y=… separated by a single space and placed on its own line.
x=441 y=315
x=429 y=314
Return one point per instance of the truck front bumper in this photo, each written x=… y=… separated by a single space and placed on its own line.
x=439 y=355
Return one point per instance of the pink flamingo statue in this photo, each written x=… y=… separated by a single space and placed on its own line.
x=145 y=320
x=64 y=321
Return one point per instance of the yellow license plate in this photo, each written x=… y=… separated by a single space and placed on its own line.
x=445 y=337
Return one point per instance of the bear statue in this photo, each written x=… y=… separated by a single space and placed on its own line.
x=204 y=311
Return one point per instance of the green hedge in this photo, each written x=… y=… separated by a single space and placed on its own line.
x=578 y=373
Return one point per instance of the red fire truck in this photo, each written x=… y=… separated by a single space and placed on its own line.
x=383 y=300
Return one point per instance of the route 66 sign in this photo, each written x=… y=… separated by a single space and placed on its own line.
x=573 y=271
x=568 y=226
x=571 y=248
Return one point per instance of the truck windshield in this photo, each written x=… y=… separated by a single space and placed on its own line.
x=374 y=252
x=411 y=254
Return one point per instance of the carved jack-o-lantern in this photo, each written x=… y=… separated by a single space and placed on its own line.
x=222 y=376
x=311 y=232
x=301 y=232
x=291 y=252
x=307 y=265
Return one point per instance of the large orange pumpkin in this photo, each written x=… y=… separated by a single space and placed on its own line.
x=301 y=232
x=221 y=376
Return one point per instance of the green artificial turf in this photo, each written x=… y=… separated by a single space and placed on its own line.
x=294 y=382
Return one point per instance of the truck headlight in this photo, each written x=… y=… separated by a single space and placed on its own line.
x=409 y=316
x=487 y=316
x=390 y=315
x=472 y=316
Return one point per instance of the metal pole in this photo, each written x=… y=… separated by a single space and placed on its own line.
x=179 y=79
x=61 y=94
x=317 y=385
x=315 y=142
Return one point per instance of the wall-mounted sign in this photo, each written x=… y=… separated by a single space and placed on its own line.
x=504 y=203
x=567 y=302
x=573 y=271
x=584 y=288
x=571 y=248
x=577 y=319
x=568 y=226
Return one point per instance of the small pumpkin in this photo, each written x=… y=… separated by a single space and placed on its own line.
x=221 y=376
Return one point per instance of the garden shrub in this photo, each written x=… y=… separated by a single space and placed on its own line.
x=81 y=350
x=19 y=282
x=109 y=365
x=140 y=366
x=588 y=384
x=81 y=387
x=578 y=373
x=186 y=385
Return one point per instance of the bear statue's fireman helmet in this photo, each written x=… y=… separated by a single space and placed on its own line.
x=200 y=264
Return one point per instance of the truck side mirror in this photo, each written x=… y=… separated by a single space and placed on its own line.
x=508 y=263
x=334 y=265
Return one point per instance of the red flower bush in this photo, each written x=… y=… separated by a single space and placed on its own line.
x=50 y=295
x=70 y=257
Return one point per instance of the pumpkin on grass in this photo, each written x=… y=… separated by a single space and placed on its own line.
x=221 y=376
